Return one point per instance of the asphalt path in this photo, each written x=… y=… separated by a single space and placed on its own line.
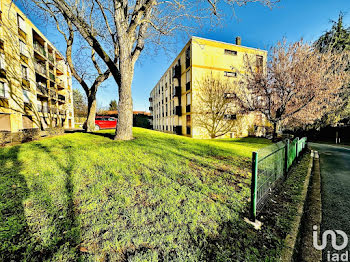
x=335 y=188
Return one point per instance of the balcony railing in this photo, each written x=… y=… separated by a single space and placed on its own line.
x=39 y=48
x=51 y=58
x=42 y=89
x=60 y=67
x=42 y=109
x=61 y=98
x=60 y=82
x=40 y=68
x=53 y=93
x=52 y=76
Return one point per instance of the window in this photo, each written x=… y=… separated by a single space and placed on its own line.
x=230 y=52
x=259 y=63
x=188 y=120
x=188 y=76
x=2 y=89
x=188 y=98
x=229 y=95
x=26 y=96
x=24 y=72
x=230 y=117
x=21 y=23
x=23 y=48
x=2 y=61
x=230 y=74
x=188 y=57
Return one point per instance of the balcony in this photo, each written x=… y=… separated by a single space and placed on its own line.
x=39 y=48
x=178 y=111
x=62 y=112
x=40 y=68
x=60 y=69
x=25 y=82
x=177 y=91
x=177 y=71
x=53 y=110
x=188 y=86
x=188 y=108
x=51 y=58
x=42 y=109
x=151 y=108
x=52 y=77
x=53 y=93
x=150 y=99
x=178 y=130
x=61 y=98
x=60 y=83
x=42 y=90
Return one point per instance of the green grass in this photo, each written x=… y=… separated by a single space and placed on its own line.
x=158 y=197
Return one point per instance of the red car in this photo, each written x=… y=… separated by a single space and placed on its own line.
x=104 y=122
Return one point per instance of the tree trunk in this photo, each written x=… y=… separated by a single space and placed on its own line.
x=125 y=106
x=90 y=121
x=274 y=136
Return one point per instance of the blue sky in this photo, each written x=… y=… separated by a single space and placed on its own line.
x=258 y=26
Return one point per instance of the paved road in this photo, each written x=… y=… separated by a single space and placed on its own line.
x=335 y=175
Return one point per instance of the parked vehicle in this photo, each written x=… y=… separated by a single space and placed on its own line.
x=105 y=122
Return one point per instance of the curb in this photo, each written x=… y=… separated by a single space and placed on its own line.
x=312 y=217
x=291 y=239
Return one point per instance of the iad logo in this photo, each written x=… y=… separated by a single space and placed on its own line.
x=332 y=256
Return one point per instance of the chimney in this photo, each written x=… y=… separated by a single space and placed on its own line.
x=238 y=40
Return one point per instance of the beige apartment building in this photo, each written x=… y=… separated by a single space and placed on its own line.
x=175 y=96
x=35 y=82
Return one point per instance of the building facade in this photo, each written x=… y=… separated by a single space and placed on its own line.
x=175 y=96
x=35 y=82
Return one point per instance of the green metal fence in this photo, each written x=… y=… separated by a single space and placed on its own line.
x=269 y=165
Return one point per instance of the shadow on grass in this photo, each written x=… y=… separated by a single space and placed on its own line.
x=14 y=235
x=67 y=234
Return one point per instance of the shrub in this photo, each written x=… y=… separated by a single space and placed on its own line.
x=30 y=134
x=5 y=137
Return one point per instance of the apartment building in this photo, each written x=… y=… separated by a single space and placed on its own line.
x=173 y=99
x=35 y=82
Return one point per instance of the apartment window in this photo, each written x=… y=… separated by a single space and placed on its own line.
x=24 y=72
x=2 y=61
x=23 y=48
x=188 y=57
x=230 y=74
x=230 y=52
x=229 y=95
x=188 y=99
x=259 y=63
x=230 y=117
x=2 y=89
x=188 y=120
x=26 y=96
x=21 y=23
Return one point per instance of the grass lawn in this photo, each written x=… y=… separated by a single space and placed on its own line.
x=85 y=197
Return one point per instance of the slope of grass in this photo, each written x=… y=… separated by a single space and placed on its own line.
x=85 y=197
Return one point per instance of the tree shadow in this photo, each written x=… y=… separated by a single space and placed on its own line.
x=67 y=232
x=14 y=233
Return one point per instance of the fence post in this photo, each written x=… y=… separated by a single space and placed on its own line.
x=296 y=148
x=286 y=155
x=254 y=186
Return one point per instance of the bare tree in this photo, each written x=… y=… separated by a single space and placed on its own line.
x=215 y=109
x=118 y=29
x=300 y=85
